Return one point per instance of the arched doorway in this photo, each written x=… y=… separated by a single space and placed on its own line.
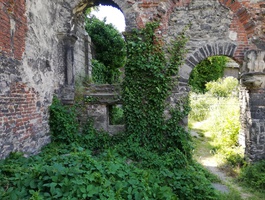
x=214 y=119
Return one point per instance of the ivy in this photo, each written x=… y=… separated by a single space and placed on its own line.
x=63 y=122
x=148 y=83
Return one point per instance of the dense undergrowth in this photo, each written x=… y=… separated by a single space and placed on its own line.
x=94 y=165
x=151 y=160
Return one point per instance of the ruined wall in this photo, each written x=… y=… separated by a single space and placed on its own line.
x=43 y=49
x=98 y=101
x=252 y=103
x=32 y=69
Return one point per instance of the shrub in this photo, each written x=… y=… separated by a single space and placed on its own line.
x=223 y=87
x=109 y=50
x=253 y=175
x=99 y=72
x=63 y=122
x=207 y=70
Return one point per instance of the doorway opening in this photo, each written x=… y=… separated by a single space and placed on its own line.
x=214 y=118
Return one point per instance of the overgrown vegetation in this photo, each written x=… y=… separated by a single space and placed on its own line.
x=210 y=69
x=148 y=82
x=253 y=175
x=151 y=160
x=97 y=166
x=116 y=115
x=218 y=111
x=110 y=50
x=216 y=114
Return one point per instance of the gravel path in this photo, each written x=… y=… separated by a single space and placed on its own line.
x=203 y=156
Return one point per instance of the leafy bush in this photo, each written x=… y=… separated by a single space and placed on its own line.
x=207 y=70
x=223 y=87
x=109 y=48
x=253 y=175
x=200 y=105
x=99 y=72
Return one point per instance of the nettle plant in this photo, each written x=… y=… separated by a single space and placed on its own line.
x=148 y=83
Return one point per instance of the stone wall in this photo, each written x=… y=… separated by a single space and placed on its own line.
x=43 y=50
x=252 y=104
x=33 y=68
x=98 y=100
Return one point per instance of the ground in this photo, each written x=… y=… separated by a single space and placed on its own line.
x=204 y=155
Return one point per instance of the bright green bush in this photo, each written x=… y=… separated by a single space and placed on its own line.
x=200 y=105
x=207 y=70
x=223 y=87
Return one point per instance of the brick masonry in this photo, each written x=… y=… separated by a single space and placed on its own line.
x=13 y=28
x=34 y=58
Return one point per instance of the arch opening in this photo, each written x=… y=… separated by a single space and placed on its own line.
x=214 y=118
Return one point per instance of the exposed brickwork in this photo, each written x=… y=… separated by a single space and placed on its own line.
x=244 y=24
x=32 y=54
x=20 y=119
x=13 y=28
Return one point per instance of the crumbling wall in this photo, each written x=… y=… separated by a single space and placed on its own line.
x=43 y=48
x=252 y=104
x=32 y=69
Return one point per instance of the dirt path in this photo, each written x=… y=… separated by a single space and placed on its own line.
x=206 y=158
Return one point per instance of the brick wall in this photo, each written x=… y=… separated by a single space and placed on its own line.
x=13 y=28
x=20 y=120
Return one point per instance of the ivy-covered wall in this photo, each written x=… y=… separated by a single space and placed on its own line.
x=43 y=49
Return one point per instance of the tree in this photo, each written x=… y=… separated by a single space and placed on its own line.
x=207 y=70
x=109 y=44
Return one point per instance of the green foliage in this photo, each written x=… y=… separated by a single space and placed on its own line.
x=99 y=72
x=63 y=122
x=152 y=161
x=148 y=82
x=218 y=108
x=109 y=48
x=116 y=115
x=79 y=175
x=253 y=175
x=207 y=70
x=200 y=105
x=223 y=87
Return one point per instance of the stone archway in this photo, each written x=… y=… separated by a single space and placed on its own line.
x=252 y=94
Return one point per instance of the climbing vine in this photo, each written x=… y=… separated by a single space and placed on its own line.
x=147 y=84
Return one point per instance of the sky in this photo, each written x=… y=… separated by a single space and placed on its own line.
x=113 y=16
